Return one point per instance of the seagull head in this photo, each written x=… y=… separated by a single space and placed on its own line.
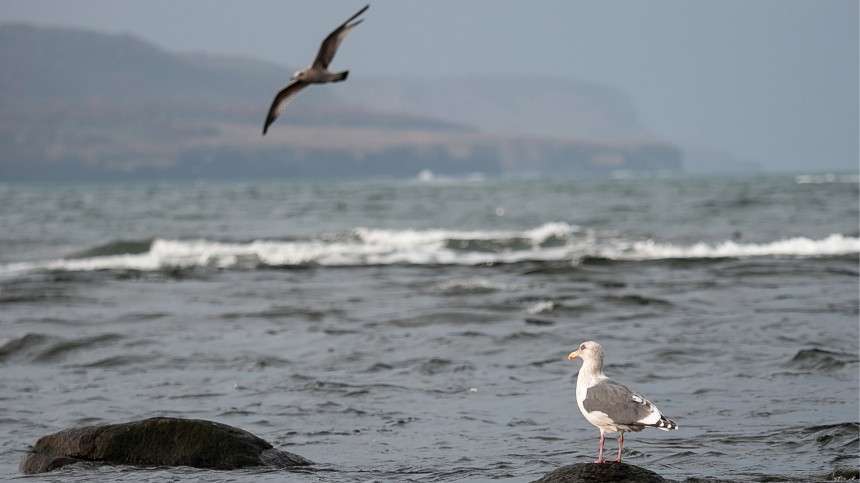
x=588 y=351
x=299 y=74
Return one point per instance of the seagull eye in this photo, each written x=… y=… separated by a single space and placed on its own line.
x=582 y=347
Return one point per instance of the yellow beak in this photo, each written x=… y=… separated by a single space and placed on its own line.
x=573 y=355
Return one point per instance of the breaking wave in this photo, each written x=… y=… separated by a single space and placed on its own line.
x=364 y=246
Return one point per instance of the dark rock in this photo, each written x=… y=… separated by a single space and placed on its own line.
x=605 y=472
x=157 y=442
x=843 y=474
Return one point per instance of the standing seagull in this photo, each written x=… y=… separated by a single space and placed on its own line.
x=609 y=405
x=316 y=73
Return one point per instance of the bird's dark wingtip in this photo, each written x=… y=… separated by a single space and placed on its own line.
x=364 y=9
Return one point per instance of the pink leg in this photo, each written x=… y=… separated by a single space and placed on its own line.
x=600 y=455
x=620 y=444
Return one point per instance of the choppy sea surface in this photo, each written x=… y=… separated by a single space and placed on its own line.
x=419 y=331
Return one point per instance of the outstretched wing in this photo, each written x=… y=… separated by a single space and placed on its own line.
x=281 y=100
x=329 y=46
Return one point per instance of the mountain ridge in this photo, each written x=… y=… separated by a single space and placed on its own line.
x=87 y=105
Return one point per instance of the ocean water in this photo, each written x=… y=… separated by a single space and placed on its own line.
x=419 y=331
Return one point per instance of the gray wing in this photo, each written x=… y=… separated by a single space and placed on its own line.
x=329 y=46
x=622 y=404
x=281 y=99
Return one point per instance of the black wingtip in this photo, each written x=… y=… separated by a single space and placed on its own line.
x=364 y=9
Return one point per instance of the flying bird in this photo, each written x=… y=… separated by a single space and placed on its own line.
x=609 y=405
x=316 y=73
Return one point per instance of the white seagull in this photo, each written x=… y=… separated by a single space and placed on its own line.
x=609 y=405
x=316 y=73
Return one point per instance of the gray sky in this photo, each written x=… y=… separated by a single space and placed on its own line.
x=774 y=81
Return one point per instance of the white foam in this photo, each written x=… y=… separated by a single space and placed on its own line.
x=799 y=247
x=365 y=246
x=826 y=178
x=542 y=307
x=551 y=230
x=472 y=285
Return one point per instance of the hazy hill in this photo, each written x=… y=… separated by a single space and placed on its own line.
x=531 y=106
x=84 y=105
x=69 y=65
x=62 y=64
x=510 y=105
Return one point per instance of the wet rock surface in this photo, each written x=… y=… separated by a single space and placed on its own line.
x=157 y=442
x=623 y=472
x=606 y=472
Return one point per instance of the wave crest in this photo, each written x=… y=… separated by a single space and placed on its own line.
x=834 y=244
x=366 y=246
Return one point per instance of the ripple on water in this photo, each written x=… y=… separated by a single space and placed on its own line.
x=42 y=348
x=820 y=360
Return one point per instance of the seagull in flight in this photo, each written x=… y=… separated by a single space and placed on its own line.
x=316 y=73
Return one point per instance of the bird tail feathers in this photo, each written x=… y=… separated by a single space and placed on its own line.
x=341 y=76
x=665 y=424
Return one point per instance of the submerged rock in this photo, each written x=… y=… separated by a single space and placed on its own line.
x=606 y=472
x=157 y=442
